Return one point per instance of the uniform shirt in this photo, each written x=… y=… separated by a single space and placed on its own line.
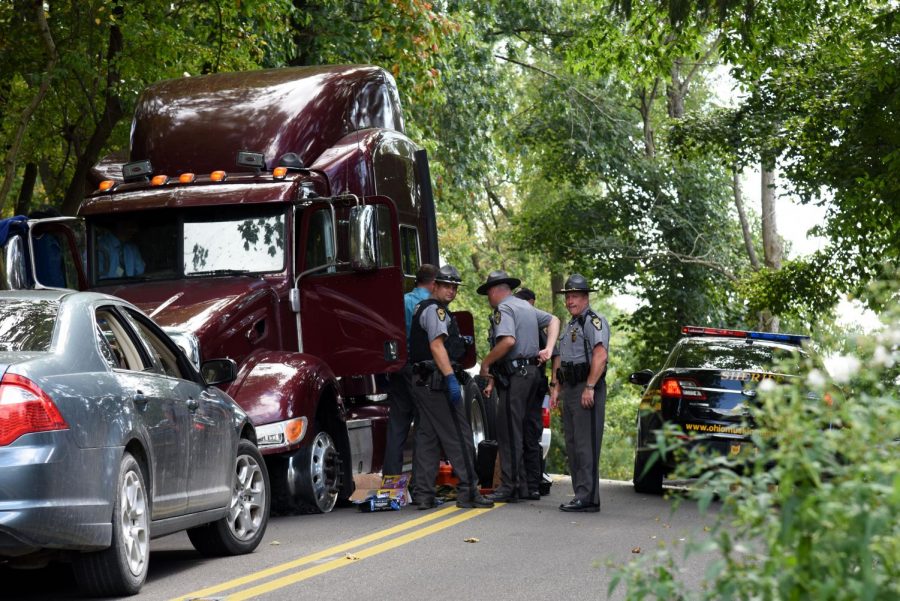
x=588 y=326
x=410 y=300
x=434 y=320
x=516 y=317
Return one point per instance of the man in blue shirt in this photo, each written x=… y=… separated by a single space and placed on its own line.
x=402 y=410
x=117 y=255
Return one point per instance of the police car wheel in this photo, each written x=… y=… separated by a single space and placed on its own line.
x=648 y=480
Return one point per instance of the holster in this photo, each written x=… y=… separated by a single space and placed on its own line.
x=424 y=370
x=501 y=374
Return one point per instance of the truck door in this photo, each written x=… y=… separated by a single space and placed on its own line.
x=351 y=316
x=43 y=253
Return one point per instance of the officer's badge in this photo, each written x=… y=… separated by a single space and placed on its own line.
x=574 y=334
x=441 y=313
x=496 y=317
x=597 y=323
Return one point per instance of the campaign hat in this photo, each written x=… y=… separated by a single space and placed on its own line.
x=448 y=274
x=576 y=283
x=498 y=277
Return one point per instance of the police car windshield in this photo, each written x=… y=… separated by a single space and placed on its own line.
x=27 y=325
x=733 y=354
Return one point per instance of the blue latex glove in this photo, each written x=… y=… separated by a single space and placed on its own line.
x=454 y=393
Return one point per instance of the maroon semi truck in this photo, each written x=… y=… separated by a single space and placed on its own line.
x=274 y=217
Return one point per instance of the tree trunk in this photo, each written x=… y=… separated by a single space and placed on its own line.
x=112 y=113
x=772 y=247
x=25 y=117
x=27 y=189
x=556 y=283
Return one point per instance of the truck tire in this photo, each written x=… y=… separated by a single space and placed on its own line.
x=122 y=568
x=477 y=412
x=243 y=527
x=651 y=481
x=320 y=477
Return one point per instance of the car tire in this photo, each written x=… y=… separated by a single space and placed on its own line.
x=122 y=568
x=244 y=525
x=320 y=478
x=650 y=481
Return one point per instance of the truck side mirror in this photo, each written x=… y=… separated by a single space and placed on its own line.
x=14 y=265
x=362 y=238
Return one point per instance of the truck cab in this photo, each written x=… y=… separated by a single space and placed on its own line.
x=276 y=218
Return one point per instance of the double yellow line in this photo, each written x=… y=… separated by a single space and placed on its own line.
x=334 y=563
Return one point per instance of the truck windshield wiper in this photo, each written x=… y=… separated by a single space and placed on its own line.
x=219 y=272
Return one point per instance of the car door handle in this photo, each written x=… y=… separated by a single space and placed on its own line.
x=193 y=405
x=139 y=399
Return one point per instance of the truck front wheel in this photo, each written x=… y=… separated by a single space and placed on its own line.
x=320 y=473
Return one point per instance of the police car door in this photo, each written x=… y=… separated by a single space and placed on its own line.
x=351 y=285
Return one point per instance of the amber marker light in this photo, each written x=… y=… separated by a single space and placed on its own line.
x=218 y=176
x=106 y=185
x=186 y=178
x=279 y=172
x=159 y=180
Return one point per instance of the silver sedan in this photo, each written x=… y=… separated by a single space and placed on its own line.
x=110 y=437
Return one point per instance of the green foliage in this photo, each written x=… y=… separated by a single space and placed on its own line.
x=815 y=513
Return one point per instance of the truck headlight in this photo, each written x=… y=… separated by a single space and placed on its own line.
x=281 y=434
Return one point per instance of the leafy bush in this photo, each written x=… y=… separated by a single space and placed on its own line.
x=815 y=512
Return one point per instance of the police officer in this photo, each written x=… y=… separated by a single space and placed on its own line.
x=533 y=423
x=512 y=366
x=579 y=379
x=400 y=402
x=436 y=347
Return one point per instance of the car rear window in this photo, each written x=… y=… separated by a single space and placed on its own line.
x=27 y=325
x=732 y=355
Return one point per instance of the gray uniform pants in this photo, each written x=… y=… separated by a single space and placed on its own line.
x=400 y=418
x=584 y=435
x=441 y=424
x=510 y=425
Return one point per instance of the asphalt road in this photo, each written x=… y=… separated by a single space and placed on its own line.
x=527 y=550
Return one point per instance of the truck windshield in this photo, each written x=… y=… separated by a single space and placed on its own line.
x=160 y=245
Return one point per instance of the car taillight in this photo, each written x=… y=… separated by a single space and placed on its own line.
x=25 y=408
x=545 y=413
x=681 y=387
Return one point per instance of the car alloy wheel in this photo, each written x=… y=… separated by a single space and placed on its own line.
x=133 y=517
x=246 y=515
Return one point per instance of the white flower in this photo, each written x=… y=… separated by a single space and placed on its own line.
x=767 y=385
x=882 y=357
x=815 y=379
x=842 y=367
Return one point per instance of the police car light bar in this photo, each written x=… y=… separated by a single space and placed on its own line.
x=700 y=331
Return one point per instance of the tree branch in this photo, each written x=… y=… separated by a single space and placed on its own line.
x=742 y=216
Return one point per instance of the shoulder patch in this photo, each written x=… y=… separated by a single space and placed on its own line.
x=597 y=323
x=496 y=316
x=441 y=313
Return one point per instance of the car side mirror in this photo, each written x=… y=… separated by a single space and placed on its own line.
x=641 y=378
x=362 y=238
x=218 y=371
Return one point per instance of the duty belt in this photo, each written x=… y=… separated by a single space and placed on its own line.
x=523 y=361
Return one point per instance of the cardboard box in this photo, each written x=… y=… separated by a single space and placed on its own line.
x=375 y=492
